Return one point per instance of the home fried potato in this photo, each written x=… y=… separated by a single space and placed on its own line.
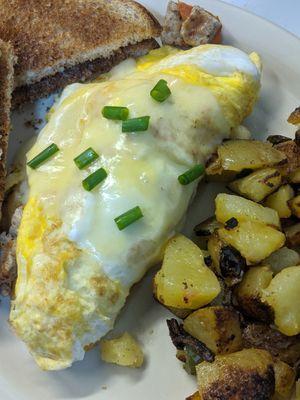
x=254 y=240
x=295 y=206
x=246 y=374
x=294 y=117
x=285 y=377
x=217 y=327
x=227 y=262
x=292 y=153
x=258 y=185
x=249 y=293
x=282 y=258
x=238 y=155
x=194 y=396
x=294 y=176
x=282 y=295
x=262 y=336
x=292 y=234
x=124 y=351
x=279 y=201
x=229 y=206
x=184 y=281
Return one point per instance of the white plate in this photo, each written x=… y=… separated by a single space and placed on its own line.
x=162 y=377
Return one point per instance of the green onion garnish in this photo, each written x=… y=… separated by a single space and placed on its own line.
x=128 y=218
x=191 y=175
x=86 y=158
x=43 y=156
x=161 y=91
x=94 y=179
x=118 y=113
x=136 y=124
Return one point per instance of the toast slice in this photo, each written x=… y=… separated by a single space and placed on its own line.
x=58 y=42
x=6 y=86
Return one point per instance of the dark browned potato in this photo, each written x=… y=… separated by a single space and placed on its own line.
x=295 y=206
x=294 y=117
x=247 y=374
x=217 y=327
x=194 y=396
x=292 y=234
x=292 y=153
x=262 y=336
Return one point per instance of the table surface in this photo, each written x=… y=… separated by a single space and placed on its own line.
x=282 y=12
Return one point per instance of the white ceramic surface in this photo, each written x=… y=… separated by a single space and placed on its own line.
x=162 y=377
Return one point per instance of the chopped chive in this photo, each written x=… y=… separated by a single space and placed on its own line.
x=43 y=156
x=161 y=91
x=136 y=124
x=191 y=175
x=128 y=218
x=86 y=158
x=94 y=179
x=117 y=113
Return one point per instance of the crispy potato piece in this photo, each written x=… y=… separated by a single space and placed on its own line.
x=237 y=155
x=282 y=295
x=254 y=240
x=257 y=185
x=282 y=258
x=179 y=312
x=295 y=206
x=217 y=327
x=184 y=281
x=285 y=377
x=124 y=351
x=279 y=201
x=246 y=374
x=294 y=117
x=262 y=336
x=194 y=396
x=294 y=176
x=292 y=234
x=292 y=153
x=228 y=206
x=249 y=293
x=227 y=262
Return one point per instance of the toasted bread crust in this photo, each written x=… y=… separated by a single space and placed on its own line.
x=6 y=86
x=50 y=35
x=78 y=73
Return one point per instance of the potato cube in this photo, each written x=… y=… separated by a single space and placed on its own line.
x=282 y=295
x=194 y=396
x=249 y=293
x=257 y=185
x=246 y=374
x=295 y=206
x=228 y=206
x=184 y=281
x=236 y=155
x=284 y=379
x=217 y=327
x=124 y=351
x=254 y=240
x=279 y=201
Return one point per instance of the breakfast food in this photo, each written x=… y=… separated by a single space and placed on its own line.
x=252 y=328
x=6 y=86
x=186 y=26
x=110 y=178
x=59 y=42
x=123 y=351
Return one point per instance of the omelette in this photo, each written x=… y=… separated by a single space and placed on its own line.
x=78 y=255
